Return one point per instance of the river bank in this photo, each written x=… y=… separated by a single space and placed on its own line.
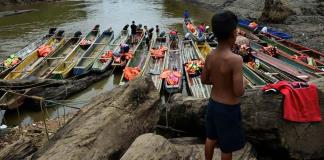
x=305 y=22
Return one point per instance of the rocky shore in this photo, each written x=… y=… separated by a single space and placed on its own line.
x=303 y=19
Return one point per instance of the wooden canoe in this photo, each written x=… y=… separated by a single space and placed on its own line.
x=64 y=69
x=285 y=47
x=45 y=69
x=29 y=65
x=27 y=50
x=289 y=59
x=288 y=69
x=88 y=58
x=204 y=48
x=193 y=35
x=139 y=38
x=114 y=46
x=174 y=63
x=155 y=66
x=190 y=53
x=139 y=60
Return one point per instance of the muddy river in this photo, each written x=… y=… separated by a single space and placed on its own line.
x=18 y=30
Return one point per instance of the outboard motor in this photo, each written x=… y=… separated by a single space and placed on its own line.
x=76 y=36
x=126 y=27
x=109 y=31
x=96 y=27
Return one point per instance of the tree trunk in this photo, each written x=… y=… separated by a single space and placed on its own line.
x=50 y=88
x=108 y=125
x=18 y=150
x=263 y=122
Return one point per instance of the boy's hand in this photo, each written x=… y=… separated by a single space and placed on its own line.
x=245 y=82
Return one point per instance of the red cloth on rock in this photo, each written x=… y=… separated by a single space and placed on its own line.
x=301 y=103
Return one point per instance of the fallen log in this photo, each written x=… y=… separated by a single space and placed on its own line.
x=50 y=89
x=18 y=150
x=108 y=125
x=263 y=122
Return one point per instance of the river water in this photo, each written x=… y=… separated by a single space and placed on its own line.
x=19 y=30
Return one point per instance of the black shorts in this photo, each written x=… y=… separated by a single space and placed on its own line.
x=224 y=124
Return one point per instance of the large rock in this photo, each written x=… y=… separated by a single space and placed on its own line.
x=155 y=147
x=108 y=125
x=151 y=146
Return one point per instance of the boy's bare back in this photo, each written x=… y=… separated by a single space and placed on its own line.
x=223 y=70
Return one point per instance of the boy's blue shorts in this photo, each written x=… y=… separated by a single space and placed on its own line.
x=224 y=124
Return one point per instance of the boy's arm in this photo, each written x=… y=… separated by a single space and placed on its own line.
x=238 y=82
x=205 y=79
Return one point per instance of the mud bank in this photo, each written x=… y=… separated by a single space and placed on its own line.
x=305 y=19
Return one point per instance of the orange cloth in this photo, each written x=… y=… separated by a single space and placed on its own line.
x=44 y=50
x=130 y=73
x=105 y=57
x=253 y=25
x=158 y=53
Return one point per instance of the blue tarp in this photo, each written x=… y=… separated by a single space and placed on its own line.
x=245 y=23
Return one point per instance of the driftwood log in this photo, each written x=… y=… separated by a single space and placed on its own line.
x=262 y=119
x=50 y=88
x=108 y=125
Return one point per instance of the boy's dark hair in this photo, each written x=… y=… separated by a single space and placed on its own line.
x=223 y=24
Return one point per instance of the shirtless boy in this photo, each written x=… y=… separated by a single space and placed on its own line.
x=223 y=70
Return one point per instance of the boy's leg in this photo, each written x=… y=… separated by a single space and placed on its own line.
x=226 y=156
x=209 y=148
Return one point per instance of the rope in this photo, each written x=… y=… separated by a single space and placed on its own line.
x=44 y=119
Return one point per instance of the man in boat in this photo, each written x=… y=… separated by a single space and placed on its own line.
x=133 y=31
x=173 y=38
x=157 y=29
x=223 y=70
x=186 y=16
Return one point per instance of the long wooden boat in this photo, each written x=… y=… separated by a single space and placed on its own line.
x=138 y=40
x=191 y=56
x=45 y=69
x=88 y=58
x=137 y=63
x=173 y=64
x=26 y=51
x=32 y=63
x=289 y=59
x=292 y=48
x=102 y=63
x=194 y=31
x=284 y=67
x=156 y=65
x=204 y=48
x=254 y=79
x=27 y=66
x=64 y=69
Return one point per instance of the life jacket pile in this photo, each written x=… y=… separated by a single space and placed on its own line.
x=194 y=68
x=12 y=60
x=191 y=28
x=171 y=77
x=158 y=53
x=105 y=57
x=44 y=50
x=127 y=56
x=130 y=73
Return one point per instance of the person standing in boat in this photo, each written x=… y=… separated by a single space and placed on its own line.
x=157 y=30
x=224 y=71
x=133 y=32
